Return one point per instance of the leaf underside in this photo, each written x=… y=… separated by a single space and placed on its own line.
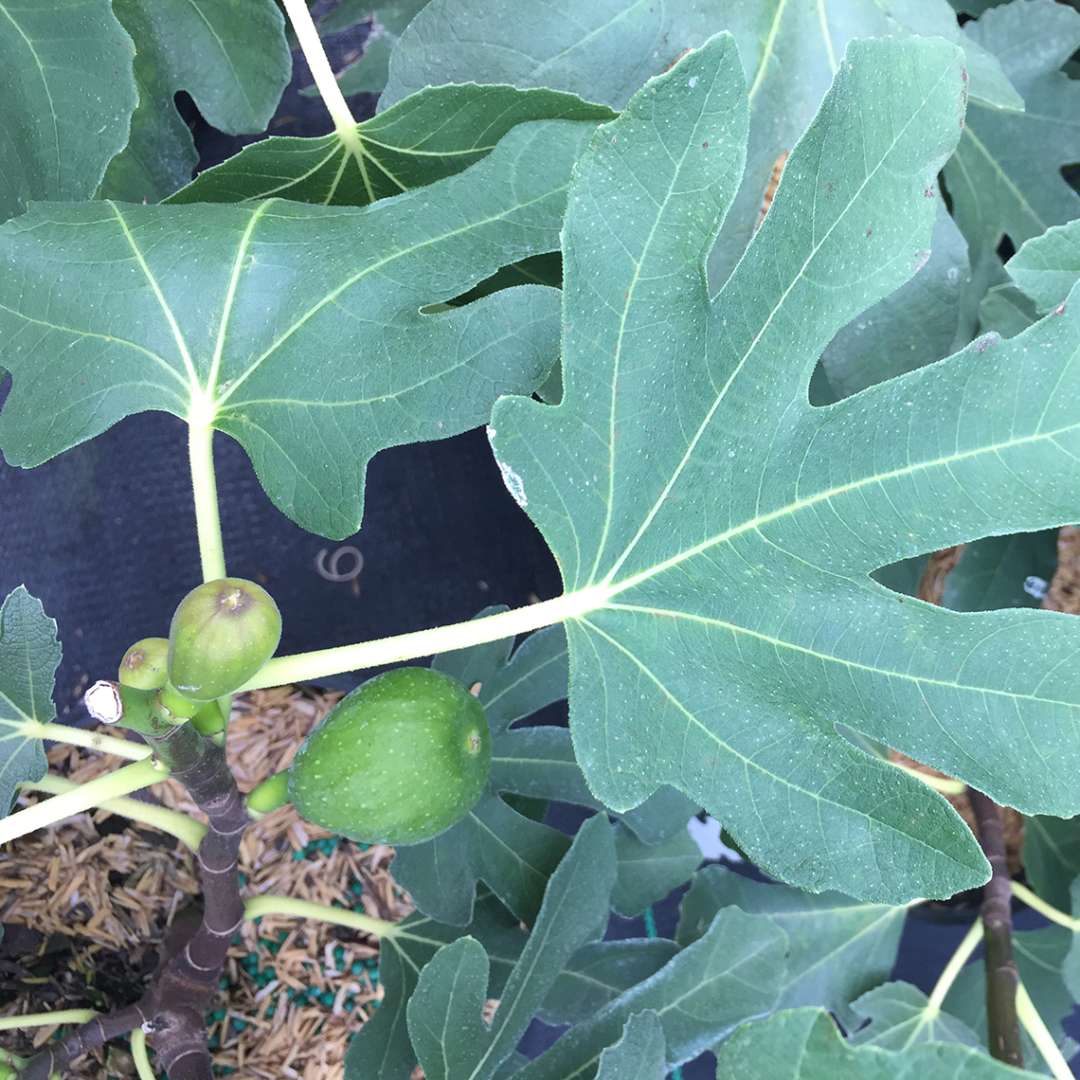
x=719 y=531
x=301 y=331
x=433 y=134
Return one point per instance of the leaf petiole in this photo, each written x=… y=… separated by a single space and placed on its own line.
x=204 y=490
x=185 y=829
x=302 y=667
x=141 y=1058
x=85 y=797
x=306 y=909
x=952 y=969
x=315 y=55
x=1048 y=911
x=88 y=740
x=1040 y=1035
x=32 y=1020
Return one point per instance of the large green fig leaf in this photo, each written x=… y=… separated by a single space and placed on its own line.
x=716 y=532
x=67 y=96
x=639 y=1055
x=231 y=58
x=838 y=947
x=451 y=1039
x=805 y=1044
x=728 y=976
x=900 y=1015
x=434 y=133
x=298 y=330
x=1006 y=175
x=604 y=51
x=494 y=843
x=381 y=1048
x=29 y=657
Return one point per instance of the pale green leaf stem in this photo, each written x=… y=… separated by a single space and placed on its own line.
x=1041 y=1036
x=186 y=829
x=83 y=797
x=1048 y=911
x=269 y=904
x=141 y=1056
x=32 y=1020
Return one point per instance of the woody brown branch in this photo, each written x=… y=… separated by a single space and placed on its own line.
x=172 y=1011
x=1002 y=976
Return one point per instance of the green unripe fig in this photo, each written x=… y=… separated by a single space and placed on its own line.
x=397 y=761
x=145 y=664
x=222 y=633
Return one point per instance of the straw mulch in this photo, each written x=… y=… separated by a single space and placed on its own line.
x=86 y=904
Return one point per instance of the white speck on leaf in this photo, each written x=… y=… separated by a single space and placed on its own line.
x=514 y=484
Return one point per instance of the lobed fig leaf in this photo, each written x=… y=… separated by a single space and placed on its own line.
x=209 y=312
x=221 y=634
x=397 y=761
x=716 y=532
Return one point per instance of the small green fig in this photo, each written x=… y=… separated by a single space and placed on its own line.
x=397 y=761
x=145 y=664
x=222 y=633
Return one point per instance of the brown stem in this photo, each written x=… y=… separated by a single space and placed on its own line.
x=1002 y=977
x=89 y=1036
x=173 y=1008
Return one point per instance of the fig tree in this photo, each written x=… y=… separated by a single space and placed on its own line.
x=222 y=633
x=397 y=761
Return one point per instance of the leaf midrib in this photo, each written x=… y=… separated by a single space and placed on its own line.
x=782 y=643
x=797 y=505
